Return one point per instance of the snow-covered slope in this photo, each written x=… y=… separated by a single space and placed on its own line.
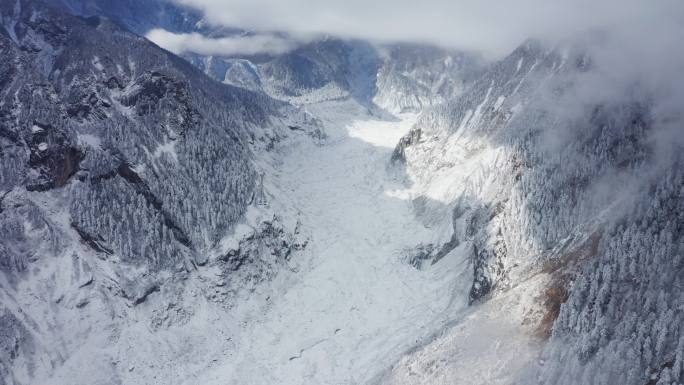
x=551 y=180
x=122 y=166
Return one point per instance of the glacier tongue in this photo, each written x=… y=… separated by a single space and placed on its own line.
x=354 y=306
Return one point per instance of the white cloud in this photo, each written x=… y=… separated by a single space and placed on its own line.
x=490 y=26
x=238 y=45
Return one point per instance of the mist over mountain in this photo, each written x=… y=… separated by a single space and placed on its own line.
x=232 y=192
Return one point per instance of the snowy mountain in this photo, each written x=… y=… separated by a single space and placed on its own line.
x=414 y=77
x=342 y=213
x=119 y=160
x=397 y=78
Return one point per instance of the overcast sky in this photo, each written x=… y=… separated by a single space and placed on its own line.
x=244 y=45
x=492 y=27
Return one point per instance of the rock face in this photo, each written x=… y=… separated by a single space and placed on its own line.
x=53 y=160
x=265 y=251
